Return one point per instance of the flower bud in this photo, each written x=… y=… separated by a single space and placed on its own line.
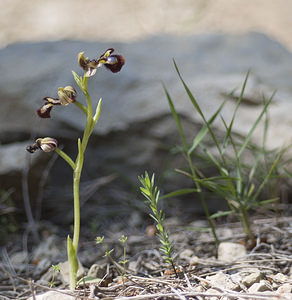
x=82 y=60
x=67 y=95
x=46 y=144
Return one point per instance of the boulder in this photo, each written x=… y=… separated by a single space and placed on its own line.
x=136 y=128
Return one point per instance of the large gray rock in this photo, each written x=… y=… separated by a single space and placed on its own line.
x=212 y=65
x=135 y=124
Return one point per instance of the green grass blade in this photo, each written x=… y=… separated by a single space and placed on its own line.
x=269 y=174
x=176 y=117
x=220 y=214
x=179 y=193
x=200 y=136
x=245 y=143
x=197 y=107
x=229 y=128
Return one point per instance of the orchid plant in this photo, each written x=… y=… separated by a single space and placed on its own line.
x=66 y=96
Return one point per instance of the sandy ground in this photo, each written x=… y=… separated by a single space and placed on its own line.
x=130 y=20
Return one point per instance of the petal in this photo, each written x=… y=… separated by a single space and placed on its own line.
x=107 y=53
x=47 y=144
x=45 y=110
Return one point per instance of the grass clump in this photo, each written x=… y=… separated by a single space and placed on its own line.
x=235 y=181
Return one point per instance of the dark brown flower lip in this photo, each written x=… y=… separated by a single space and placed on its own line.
x=45 y=111
x=116 y=67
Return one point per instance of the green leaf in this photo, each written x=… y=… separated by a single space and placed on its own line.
x=179 y=193
x=73 y=263
x=229 y=128
x=97 y=112
x=221 y=214
x=197 y=107
x=88 y=280
x=79 y=81
x=176 y=118
x=145 y=191
x=245 y=143
x=204 y=130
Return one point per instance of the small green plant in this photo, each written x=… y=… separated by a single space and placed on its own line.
x=236 y=180
x=66 y=96
x=108 y=253
x=152 y=194
x=124 y=261
x=56 y=269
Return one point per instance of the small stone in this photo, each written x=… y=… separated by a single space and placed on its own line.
x=230 y=251
x=18 y=258
x=50 y=248
x=285 y=288
x=223 y=281
x=261 y=286
x=252 y=278
x=194 y=260
x=64 y=270
x=212 y=291
x=97 y=271
x=186 y=254
x=53 y=295
x=280 y=278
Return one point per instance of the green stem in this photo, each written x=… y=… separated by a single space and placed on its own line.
x=81 y=106
x=77 y=167
x=66 y=157
x=202 y=199
x=76 y=184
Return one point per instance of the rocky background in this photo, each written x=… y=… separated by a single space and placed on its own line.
x=214 y=44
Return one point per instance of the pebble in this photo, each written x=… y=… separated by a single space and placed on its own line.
x=53 y=295
x=228 y=251
x=223 y=281
x=252 y=278
x=261 y=286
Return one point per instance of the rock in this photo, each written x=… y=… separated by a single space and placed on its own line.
x=136 y=93
x=19 y=258
x=14 y=158
x=229 y=252
x=54 y=295
x=135 y=128
x=280 y=278
x=252 y=278
x=50 y=248
x=261 y=286
x=223 y=281
x=213 y=291
x=186 y=254
x=64 y=271
x=97 y=270
x=285 y=288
